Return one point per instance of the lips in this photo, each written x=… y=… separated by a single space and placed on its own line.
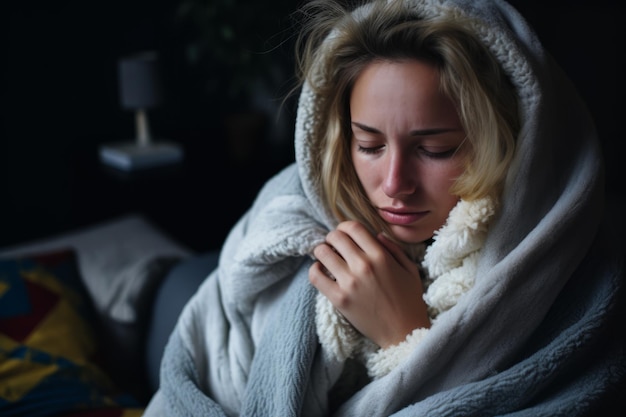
x=401 y=217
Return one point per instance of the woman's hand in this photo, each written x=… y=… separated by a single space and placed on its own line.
x=372 y=282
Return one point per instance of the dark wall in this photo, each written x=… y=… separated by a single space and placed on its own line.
x=60 y=96
x=60 y=101
x=588 y=39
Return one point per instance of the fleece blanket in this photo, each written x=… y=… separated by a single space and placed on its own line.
x=571 y=363
x=538 y=334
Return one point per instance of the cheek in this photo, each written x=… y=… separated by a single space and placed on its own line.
x=368 y=174
x=440 y=179
x=363 y=175
x=446 y=175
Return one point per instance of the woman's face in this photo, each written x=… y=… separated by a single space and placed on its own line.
x=406 y=146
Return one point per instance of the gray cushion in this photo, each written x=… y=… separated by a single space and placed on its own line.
x=119 y=261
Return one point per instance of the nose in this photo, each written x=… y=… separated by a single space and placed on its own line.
x=400 y=176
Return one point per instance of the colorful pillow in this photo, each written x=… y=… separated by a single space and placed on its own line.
x=48 y=347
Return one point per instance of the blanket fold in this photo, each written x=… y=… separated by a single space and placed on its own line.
x=566 y=369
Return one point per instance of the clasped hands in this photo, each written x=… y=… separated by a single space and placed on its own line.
x=372 y=282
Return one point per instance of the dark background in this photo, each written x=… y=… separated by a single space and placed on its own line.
x=60 y=102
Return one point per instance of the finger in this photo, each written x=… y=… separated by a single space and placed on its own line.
x=320 y=279
x=396 y=251
x=360 y=239
x=329 y=258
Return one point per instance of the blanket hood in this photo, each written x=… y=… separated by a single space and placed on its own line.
x=549 y=212
x=529 y=67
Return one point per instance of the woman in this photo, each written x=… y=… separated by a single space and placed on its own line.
x=445 y=205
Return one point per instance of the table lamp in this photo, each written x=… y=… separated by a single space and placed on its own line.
x=140 y=88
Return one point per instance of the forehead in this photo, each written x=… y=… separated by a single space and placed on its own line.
x=401 y=92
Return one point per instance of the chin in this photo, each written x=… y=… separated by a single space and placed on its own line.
x=410 y=235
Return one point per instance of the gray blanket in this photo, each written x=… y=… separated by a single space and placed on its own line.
x=538 y=334
x=573 y=363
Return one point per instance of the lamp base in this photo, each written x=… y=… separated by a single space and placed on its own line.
x=131 y=156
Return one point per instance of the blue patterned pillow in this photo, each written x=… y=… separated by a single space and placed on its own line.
x=49 y=354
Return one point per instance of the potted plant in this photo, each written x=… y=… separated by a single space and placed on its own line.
x=237 y=44
x=241 y=53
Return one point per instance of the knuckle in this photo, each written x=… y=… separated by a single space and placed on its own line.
x=350 y=283
x=350 y=226
x=314 y=272
x=364 y=267
x=379 y=257
x=322 y=250
x=332 y=235
x=335 y=237
x=341 y=300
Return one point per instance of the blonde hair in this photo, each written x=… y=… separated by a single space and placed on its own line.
x=337 y=44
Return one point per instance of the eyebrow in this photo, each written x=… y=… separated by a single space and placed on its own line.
x=417 y=132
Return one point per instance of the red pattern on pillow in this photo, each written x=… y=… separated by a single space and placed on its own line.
x=48 y=343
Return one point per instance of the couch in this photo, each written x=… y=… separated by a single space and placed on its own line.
x=85 y=315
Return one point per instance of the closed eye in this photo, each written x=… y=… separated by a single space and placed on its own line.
x=438 y=154
x=370 y=150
